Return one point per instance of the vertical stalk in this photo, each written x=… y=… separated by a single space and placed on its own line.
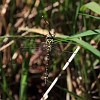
x=75 y=20
x=4 y=87
x=23 y=82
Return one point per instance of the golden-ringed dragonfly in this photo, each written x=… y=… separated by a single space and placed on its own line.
x=49 y=51
x=46 y=51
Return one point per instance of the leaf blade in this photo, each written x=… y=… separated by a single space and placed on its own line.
x=92 y=6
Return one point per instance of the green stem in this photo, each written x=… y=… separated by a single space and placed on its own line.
x=4 y=87
x=23 y=82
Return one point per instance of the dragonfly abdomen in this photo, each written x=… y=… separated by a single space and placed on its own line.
x=49 y=42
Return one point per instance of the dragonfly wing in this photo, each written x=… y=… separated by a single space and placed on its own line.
x=62 y=49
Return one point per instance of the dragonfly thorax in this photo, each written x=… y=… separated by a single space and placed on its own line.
x=49 y=42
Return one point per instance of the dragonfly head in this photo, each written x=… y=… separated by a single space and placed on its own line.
x=51 y=34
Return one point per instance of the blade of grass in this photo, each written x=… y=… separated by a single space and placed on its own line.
x=86 y=33
x=95 y=17
x=66 y=4
x=84 y=44
x=23 y=83
x=76 y=15
x=4 y=87
x=88 y=47
x=92 y=6
x=71 y=93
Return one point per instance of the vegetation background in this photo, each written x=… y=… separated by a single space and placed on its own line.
x=22 y=72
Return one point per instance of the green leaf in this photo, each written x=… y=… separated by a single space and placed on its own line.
x=88 y=47
x=85 y=45
x=71 y=93
x=92 y=6
x=86 y=33
x=95 y=17
x=66 y=4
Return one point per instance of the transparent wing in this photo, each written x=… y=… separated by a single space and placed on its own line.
x=58 y=48
x=37 y=49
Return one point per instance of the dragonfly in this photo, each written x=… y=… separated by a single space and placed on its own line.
x=47 y=48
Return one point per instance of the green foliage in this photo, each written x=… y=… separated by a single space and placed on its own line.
x=92 y=6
